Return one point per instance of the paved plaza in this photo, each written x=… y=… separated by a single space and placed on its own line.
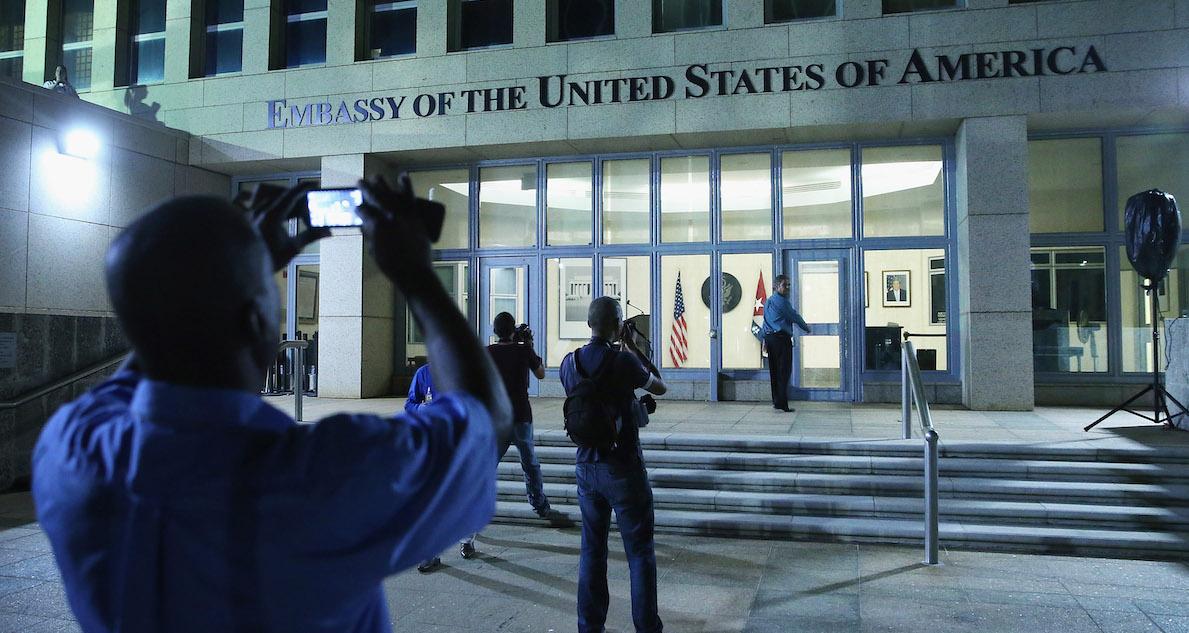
x=525 y=581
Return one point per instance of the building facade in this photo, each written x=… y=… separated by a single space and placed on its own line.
x=951 y=170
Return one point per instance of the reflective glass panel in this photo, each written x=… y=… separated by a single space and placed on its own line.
x=484 y=23
x=12 y=26
x=78 y=67
x=906 y=6
x=1154 y=161
x=451 y=187
x=747 y=282
x=904 y=291
x=1065 y=185
x=625 y=201
x=677 y=15
x=579 y=19
x=148 y=61
x=685 y=199
x=785 y=10
x=1173 y=296
x=569 y=285
x=393 y=29
x=454 y=276
x=305 y=41
x=569 y=203
x=629 y=280
x=1069 y=317
x=685 y=318
x=816 y=193
x=508 y=206
x=224 y=51
x=745 y=189
x=903 y=191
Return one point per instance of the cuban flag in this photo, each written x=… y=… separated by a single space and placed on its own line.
x=678 y=346
x=757 y=314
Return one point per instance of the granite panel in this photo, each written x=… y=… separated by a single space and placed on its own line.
x=729 y=46
x=73 y=278
x=138 y=183
x=14 y=252
x=15 y=139
x=619 y=55
x=1092 y=18
x=945 y=28
x=852 y=35
x=1136 y=90
x=85 y=198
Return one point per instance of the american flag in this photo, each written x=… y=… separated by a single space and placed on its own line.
x=678 y=347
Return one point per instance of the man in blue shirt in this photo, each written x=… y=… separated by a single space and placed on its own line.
x=420 y=390
x=176 y=500
x=779 y=319
x=614 y=479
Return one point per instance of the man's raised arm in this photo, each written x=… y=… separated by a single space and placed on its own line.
x=399 y=242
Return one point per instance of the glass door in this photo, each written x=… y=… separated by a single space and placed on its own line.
x=819 y=292
x=504 y=287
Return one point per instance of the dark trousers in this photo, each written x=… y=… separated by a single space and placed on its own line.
x=780 y=367
x=602 y=488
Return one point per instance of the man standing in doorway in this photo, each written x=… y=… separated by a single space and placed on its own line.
x=614 y=478
x=779 y=319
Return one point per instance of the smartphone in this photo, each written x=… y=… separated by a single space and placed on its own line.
x=334 y=207
x=338 y=207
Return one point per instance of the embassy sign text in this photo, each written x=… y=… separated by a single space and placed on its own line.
x=695 y=82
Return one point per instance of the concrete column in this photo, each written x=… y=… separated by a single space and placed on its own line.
x=109 y=45
x=744 y=14
x=356 y=321
x=633 y=18
x=860 y=9
x=180 y=33
x=432 y=34
x=344 y=35
x=994 y=302
x=258 y=16
x=528 y=23
x=43 y=39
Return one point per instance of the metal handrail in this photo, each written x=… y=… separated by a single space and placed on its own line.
x=297 y=371
x=62 y=382
x=913 y=390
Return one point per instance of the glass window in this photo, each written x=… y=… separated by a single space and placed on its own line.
x=676 y=15
x=906 y=6
x=745 y=190
x=625 y=201
x=904 y=291
x=393 y=29
x=785 y=10
x=451 y=187
x=305 y=33
x=1065 y=185
x=12 y=39
x=455 y=278
x=481 y=23
x=747 y=281
x=629 y=281
x=224 y=37
x=903 y=191
x=146 y=63
x=1173 y=294
x=685 y=318
x=568 y=292
x=685 y=199
x=579 y=19
x=77 y=26
x=569 y=201
x=508 y=206
x=1155 y=161
x=1069 y=319
x=816 y=193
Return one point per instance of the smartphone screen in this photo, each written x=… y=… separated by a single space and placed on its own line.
x=334 y=207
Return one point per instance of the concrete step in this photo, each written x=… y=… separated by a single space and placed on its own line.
x=955 y=535
x=1115 y=517
x=875 y=485
x=1015 y=468
x=1088 y=452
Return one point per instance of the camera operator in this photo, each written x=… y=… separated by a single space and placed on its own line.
x=176 y=500
x=514 y=358
x=613 y=478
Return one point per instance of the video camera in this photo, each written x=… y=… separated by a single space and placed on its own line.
x=522 y=334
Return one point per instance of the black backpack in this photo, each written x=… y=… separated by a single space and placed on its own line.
x=592 y=419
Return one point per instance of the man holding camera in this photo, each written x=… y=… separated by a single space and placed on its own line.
x=176 y=500
x=613 y=478
x=515 y=359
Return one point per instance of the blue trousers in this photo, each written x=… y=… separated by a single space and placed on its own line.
x=603 y=488
x=522 y=437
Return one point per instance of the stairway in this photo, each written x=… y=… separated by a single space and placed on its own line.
x=1035 y=498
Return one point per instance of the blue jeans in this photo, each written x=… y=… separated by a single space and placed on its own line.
x=604 y=487
x=522 y=437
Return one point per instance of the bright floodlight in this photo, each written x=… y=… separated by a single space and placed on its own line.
x=80 y=142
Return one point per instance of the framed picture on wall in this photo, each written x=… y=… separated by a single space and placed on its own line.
x=896 y=289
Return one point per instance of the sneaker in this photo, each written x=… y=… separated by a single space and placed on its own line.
x=468 y=550
x=429 y=565
x=555 y=518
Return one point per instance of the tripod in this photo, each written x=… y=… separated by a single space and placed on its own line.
x=1160 y=396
